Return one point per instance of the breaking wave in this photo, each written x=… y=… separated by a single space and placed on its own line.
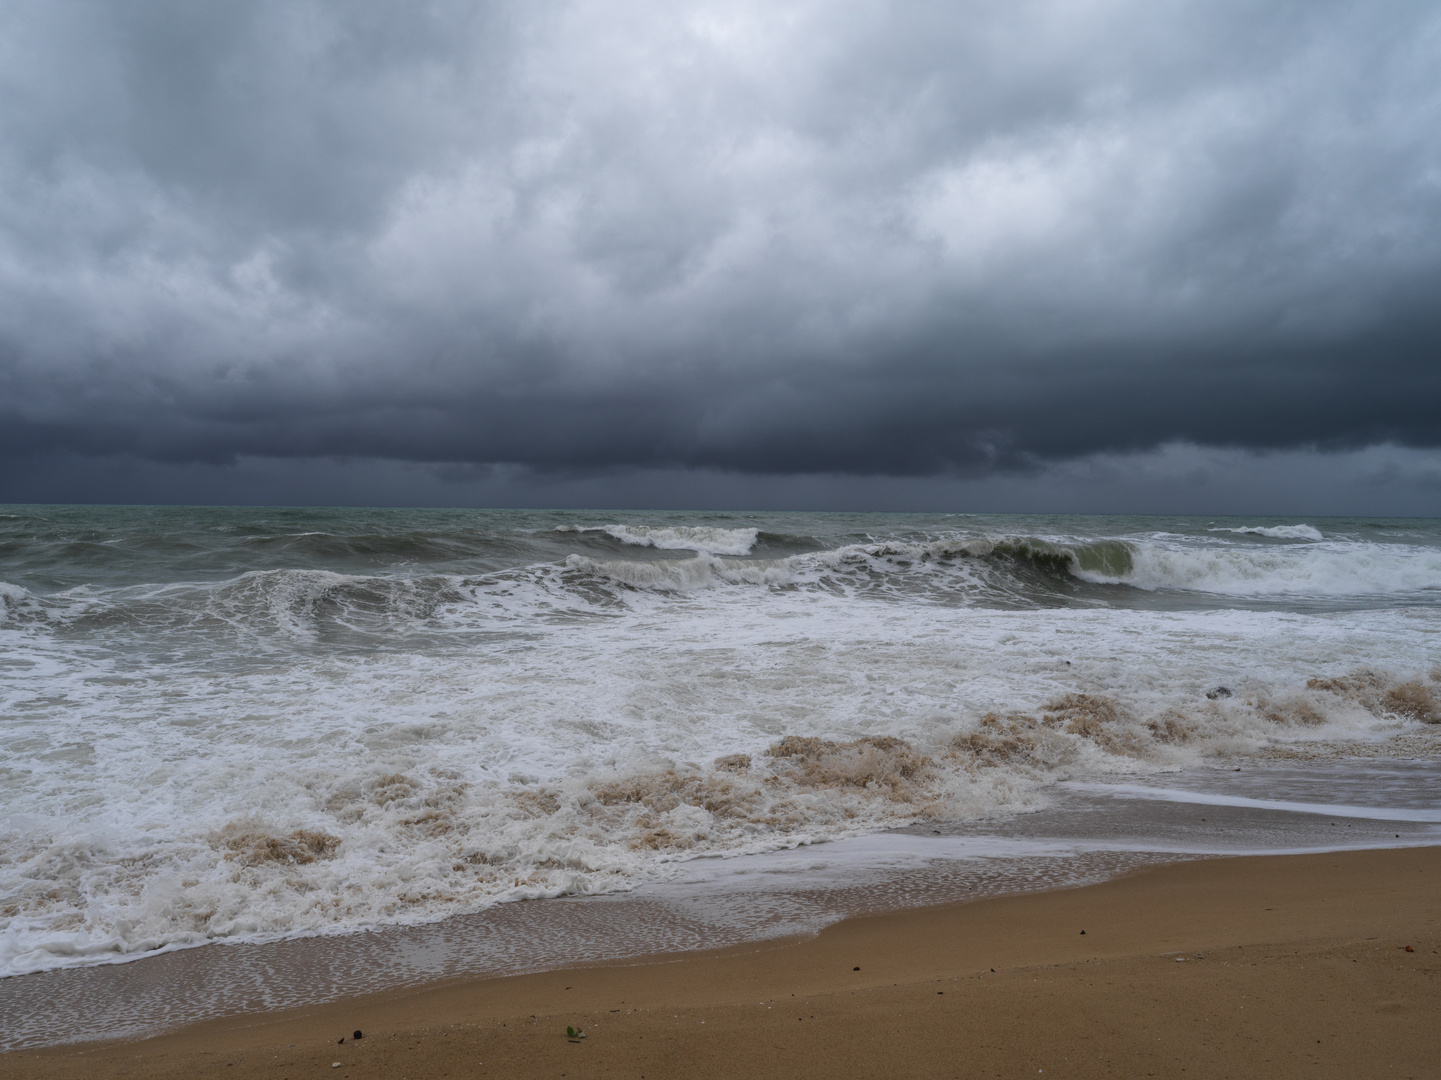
x=1030 y=569
x=274 y=610
x=684 y=575
x=1279 y=532
x=1312 y=570
x=701 y=538
x=12 y=597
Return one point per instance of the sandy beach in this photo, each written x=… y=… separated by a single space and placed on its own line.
x=1300 y=965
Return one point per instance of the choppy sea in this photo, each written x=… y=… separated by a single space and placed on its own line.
x=265 y=727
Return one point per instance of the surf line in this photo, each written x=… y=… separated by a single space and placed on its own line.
x=1372 y=813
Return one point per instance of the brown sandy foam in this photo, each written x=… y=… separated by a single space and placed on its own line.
x=1264 y=966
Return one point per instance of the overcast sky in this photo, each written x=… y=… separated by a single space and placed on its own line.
x=1011 y=255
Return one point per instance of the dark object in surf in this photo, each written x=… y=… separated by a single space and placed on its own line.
x=1219 y=692
x=357 y=1035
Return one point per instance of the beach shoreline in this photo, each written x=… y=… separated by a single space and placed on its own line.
x=332 y=721
x=1261 y=949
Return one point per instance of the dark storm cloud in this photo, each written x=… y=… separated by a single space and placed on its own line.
x=854 y=238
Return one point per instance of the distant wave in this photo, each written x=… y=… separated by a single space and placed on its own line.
x=308 y=605
x=701 y=538
x=1279 y=532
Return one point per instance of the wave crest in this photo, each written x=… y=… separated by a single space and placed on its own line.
x=1277 y=532
x=683 y=575
x=12 y=597
x=700 y=538
x=1320 y=570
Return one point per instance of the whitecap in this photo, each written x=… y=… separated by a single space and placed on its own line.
x=1279 y=532
x=1312 y=570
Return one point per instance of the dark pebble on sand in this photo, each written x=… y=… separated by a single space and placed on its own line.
x=855 y=969
x=357 y=1035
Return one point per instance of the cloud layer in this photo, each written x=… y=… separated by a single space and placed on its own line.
x=785 y=238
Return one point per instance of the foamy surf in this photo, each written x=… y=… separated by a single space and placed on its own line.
x=322 y=721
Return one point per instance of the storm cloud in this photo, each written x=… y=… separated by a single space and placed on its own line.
x=841 y=239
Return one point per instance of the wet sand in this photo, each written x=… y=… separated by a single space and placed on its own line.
x=1264 y=966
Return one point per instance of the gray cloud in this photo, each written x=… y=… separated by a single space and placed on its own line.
x=1177 y=478
x=762 y=239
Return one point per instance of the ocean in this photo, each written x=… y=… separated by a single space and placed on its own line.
x=272 y=726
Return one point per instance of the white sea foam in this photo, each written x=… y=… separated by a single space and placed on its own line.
x=1320 y=570
x=326 y=792
x=1280 y=532
x=304 y=750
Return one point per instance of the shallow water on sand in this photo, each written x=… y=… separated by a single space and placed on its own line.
x=1091 y=831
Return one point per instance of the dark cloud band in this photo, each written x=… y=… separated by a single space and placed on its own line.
x=772 y=240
